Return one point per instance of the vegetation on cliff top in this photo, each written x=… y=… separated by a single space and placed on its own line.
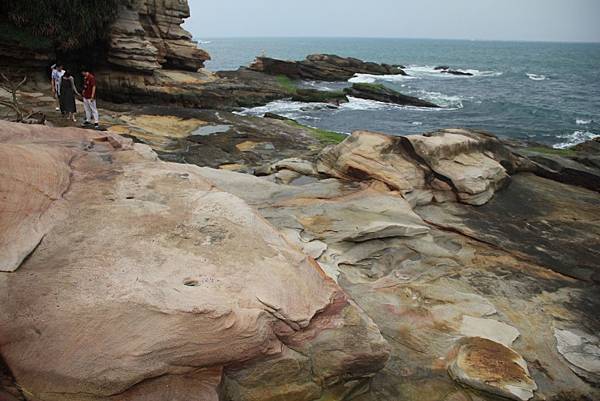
x=325 y=136
x=69 y=24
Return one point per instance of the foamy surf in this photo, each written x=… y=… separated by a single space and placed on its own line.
x=369 y=78
x=536 y=77
x=445 y=101
x=575 y=138
x=427 y=71
x=285 y=108
x=583 y=122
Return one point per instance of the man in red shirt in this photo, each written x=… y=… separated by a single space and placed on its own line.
x=89 y=99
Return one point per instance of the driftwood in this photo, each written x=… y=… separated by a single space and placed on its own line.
x=13 y=87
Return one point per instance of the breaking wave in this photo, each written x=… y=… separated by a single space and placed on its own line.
x=575 y=138
x=427 y=71
x=536 y=77
x=583 y=122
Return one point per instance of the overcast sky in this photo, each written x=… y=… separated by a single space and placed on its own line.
x=546 y=20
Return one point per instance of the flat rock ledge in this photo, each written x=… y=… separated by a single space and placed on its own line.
x=135 y=279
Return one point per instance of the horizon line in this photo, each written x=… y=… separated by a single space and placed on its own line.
x=198 y=37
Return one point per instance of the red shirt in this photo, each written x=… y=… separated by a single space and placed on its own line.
x=88 y=85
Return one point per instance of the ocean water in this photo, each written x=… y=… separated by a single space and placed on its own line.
x=543 y=92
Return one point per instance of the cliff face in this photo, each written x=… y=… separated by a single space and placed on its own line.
x=148 y=36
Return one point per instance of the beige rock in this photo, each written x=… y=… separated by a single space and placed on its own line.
x=153 y=280
x=300 y=166
x=460 y=161
x=582 y=351
x=162 y=43
x=488 y=328
x=492 y=367
x=368 y=155
x=463 y=157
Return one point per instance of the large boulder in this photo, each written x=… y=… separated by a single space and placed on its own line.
x=323 y=67
x=144 y=281
x=468 y=164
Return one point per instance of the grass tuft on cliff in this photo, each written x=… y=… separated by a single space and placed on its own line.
x=68 y=25
x=325 y=136
x=552 y=151
x=287 y=84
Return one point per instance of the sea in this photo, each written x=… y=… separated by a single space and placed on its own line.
x=547 y=93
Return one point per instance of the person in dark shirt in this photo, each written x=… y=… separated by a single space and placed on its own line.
x=67 y=96
x=89 y=99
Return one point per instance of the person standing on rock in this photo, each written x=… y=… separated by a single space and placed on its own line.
x=89 y=99
x=57 y=74
x=67 y=96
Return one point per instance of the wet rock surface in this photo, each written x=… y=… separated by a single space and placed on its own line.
x=386 y=95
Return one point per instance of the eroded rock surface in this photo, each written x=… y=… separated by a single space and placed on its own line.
x=467 y=165
x=323 y=67
x=455 y=278
x=154 y=284
x=492 y=367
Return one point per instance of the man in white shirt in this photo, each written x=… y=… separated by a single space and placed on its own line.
x=57 y=74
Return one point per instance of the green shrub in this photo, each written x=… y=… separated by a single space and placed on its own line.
x=68 y=24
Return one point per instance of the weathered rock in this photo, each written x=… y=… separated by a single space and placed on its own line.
x=582 y=351
x=420 y=289
x=381 y=93
x=469 y=163
x=300 y=166
x=489 y=366
x=323 y=67
x=489 y=328
x=147 y=36
x=472 y=162
x=373 y=156
x=202 y=284
x=574 y=170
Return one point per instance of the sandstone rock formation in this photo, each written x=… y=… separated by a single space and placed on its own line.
x=323 y=67
x=150 y=283
x=459 y=272
x=493 y=367
x=461 y=163
x=147 y=36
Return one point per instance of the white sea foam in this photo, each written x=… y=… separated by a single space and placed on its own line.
x=285 y=108
x=445 y=101
x=583 y=122
x=536 y=77
x=369 y=78
x=417 y=123
x=575 y=138
x=205 y=42
x=426 y=71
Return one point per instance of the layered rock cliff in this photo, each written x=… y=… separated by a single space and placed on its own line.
x=148 y=36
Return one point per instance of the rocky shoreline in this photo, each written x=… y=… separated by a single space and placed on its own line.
x=196 y=254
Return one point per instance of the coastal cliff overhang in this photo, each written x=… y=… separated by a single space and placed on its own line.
x=136 y=35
